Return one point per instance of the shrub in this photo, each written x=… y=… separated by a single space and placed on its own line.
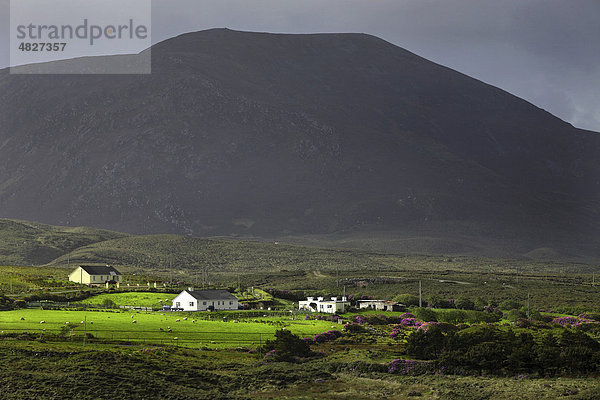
x=407 y=299
x=464 y=303
x=286 y=347
x=510 y=305
x=425 y=314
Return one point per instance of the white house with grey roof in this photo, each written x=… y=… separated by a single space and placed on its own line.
x=205 y=300
x=95 y=275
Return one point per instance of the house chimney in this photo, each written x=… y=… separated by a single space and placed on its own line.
x=190 y=289
x=334 y=299
x=319 y=298
x=310 y=298
x=344 y=298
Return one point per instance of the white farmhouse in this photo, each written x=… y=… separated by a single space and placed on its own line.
x=95 y=275
x=203 y=300
x=332 y=306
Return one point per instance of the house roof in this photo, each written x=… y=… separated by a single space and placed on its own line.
x=99 y=269
x=211 y=294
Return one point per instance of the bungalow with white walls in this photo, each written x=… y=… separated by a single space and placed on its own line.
x=335 y=305
x=205 y=300
x=95 y=275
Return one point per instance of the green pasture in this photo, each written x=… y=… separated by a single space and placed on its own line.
x=120 y=327
x=137 y=299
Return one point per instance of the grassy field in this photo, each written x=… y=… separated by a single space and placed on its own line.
x=137 y=299
x=117 y=325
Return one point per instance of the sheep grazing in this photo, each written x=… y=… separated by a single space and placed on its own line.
x=67 y=322
x=92 y=322
x=134 y=322
x=168 y=327
x=161 y=329
x=169 y=330
x=131 y=316
x=193 y=321
x=22 y=319
x=175 y=338
x=185 y=318
x=42 y=322
x=82 y=322
x=177 y=320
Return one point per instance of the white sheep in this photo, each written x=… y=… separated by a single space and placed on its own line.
x=185 y=318
x=175 y=338
x=67 y=322
x=22 y=319
x=92 y=322
x=177 y=320
x=42 y=322
x=134 y=322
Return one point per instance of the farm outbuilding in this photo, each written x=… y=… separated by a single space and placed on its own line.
x=205 y=300
x=95 y=275
x=381 y=305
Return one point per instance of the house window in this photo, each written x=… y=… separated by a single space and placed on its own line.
x=231 y=303
x=203 y=303
x=329 y=306
x=191 y=304
x=177 y=304
x=94 y=278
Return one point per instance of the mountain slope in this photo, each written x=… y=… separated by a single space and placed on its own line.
x=27 y=243
x=275 y=135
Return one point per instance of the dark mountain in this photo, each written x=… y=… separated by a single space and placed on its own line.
x=294 y=135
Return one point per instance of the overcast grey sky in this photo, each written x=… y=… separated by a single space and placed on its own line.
x=545 y=51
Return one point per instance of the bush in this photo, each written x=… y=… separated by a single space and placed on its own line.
x=286 y=347
x=464 y=303
x=510 y=305
x=425 y=314
x=407 y=299
x=108 y=303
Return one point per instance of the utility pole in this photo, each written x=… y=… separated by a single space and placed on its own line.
x=420 y=295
